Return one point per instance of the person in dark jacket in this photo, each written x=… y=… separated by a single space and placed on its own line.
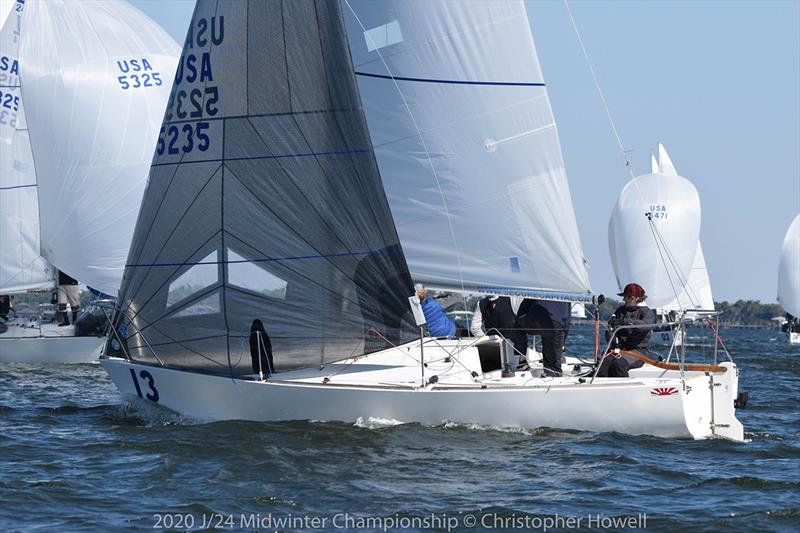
x=260 y=349
x=635 y=340
x=68 y=293
x=5 y=306
x=498 y=314
x=551 y=320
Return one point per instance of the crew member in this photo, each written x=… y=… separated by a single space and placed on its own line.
x=632 y=313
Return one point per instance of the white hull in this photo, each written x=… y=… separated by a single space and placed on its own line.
x=794 y=337
x=667 y=337
x=48 y=344
x=385 y=385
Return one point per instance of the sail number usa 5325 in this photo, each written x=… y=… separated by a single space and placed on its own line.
x=136 y=73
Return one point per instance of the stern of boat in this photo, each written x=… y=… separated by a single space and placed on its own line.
x=710 y=404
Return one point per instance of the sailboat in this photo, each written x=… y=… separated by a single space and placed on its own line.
x=670 y=263
x=268 y=277
x=789 y=280
x=86 y=85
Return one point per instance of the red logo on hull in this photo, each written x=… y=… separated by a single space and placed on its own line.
x=664 y=391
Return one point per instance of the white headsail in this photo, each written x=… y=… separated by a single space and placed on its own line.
x=95 y=79
x=657 y=252
x=789 y=270
x=696 y=293
x=21 y=265
x=467 y=145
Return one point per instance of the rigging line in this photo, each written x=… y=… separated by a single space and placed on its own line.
x=599 y=90
x=616 y=133
x=605 y=105
x=670 y=261
x=661 y=251
x=683 y=280
x=174 y=341
x=422 y=140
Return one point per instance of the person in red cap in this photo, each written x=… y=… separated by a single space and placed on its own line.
x=637 y=340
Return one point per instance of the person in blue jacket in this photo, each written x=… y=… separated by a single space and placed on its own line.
x=439 y=325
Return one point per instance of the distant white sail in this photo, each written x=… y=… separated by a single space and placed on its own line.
x=95 y=79
x=697 y=292
x=659 y=258
x=789 y=270
x=21 y=265
x=665 y=165
x=654 y=168
x=467 y=145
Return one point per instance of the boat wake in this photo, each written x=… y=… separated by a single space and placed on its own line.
x=150 y=414
x=376 y=423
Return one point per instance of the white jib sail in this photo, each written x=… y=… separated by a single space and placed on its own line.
x=95 y=78
x=789 y=270
x=21 y=265
x=466 y=144
x=659 y=258
x=697 y=293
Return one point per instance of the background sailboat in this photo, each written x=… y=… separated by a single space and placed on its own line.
x=789 y=278
x=664 y=256
x=108 y=68
x=94 y=79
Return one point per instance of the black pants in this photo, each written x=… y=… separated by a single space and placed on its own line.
x=617 y=367
x=552 y=334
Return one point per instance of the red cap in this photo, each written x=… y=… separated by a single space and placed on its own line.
x=632 y=289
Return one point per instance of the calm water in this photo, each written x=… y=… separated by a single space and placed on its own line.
x=75 y=457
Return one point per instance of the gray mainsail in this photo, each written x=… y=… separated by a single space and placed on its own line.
x=264 y=201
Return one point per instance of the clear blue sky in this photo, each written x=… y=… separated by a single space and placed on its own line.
x=717 y=82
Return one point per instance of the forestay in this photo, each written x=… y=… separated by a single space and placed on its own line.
x=789 y=270
x=21 y=265
x=95 y=80
x=658 y=255
x=467 y=145
x=264 y=201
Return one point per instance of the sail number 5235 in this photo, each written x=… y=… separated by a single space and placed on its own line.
x=185 y=138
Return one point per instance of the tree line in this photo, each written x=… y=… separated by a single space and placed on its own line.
x=740 y=312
